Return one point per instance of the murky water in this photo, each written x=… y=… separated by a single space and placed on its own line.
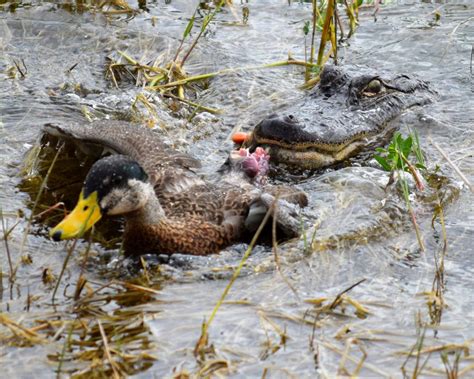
x=268 y=327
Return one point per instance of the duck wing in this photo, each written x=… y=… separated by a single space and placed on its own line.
x=169 y=170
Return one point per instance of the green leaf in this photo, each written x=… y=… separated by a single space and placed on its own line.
x=383 y=162
x=417 y=148
x=397 y=139
x=205 y=21
x=396 y=162
x=392 y=148
x=406 y=146
x=306 y=28
x=189 y=27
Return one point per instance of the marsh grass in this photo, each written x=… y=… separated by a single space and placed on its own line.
x=70 y=250
x=271 y=347
x=422 y=354
x=170 y=79
x=326 y=19
x=96 y=341
x=6 y=233
x=454 y=166
x=415 y=351
x=342 y=370
x=202 y=345
x=38 y=198
x=435 y=297
x=99 y=328
x=450 y=353
x=29 y=162
x=452 y=368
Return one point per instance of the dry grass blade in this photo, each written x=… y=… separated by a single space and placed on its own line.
x=312 y=82
x=7 y=248
x=203 y=339
x=66 y=345
x=206 y=22
x=453 y=165
x=63 y=269
x=198 y=107
x=465 y=370
x=339 y=295
x=416 y=348
x=449 y=347
x=368 y=366
x=52 y=208
x=38 y=197
x=452 y=369
x=189 y=79
x=212 y=366
x=107 y=351
x=140 y=288
x=327 y=32
x=342 y=364
x=25 y=335
x=275 y=249
x=270 y=346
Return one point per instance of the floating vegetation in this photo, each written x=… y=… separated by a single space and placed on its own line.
x=341 y=301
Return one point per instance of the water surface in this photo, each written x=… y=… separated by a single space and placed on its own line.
x=267 y=327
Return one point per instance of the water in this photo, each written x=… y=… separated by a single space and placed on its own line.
x=362 y=233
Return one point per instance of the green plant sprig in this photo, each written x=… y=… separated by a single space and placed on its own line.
x=396 y=157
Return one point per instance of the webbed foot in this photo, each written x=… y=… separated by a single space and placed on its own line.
x=286 y=214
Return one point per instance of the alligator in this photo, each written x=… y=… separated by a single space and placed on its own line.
x=342 y=116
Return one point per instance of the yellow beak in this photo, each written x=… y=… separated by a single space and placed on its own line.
x=80 y=220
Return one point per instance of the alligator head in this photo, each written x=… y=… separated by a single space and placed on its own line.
x=343 y=115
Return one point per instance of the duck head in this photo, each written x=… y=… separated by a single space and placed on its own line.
x=115 y=185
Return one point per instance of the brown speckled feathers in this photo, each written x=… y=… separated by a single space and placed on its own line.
x=167 y=168
x=200 y=218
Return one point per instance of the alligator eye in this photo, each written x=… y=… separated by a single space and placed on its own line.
x=374 y=87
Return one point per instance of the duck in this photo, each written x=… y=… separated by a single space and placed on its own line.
x=168 y=207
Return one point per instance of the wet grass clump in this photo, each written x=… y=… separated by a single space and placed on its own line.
x=170 y=79
x=100 y=333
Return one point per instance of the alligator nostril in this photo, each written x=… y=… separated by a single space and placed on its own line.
x=57 y=235
x=290 y=119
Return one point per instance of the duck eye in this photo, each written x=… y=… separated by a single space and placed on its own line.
x=85 y=208
x=116 y=180
x=374 y=87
